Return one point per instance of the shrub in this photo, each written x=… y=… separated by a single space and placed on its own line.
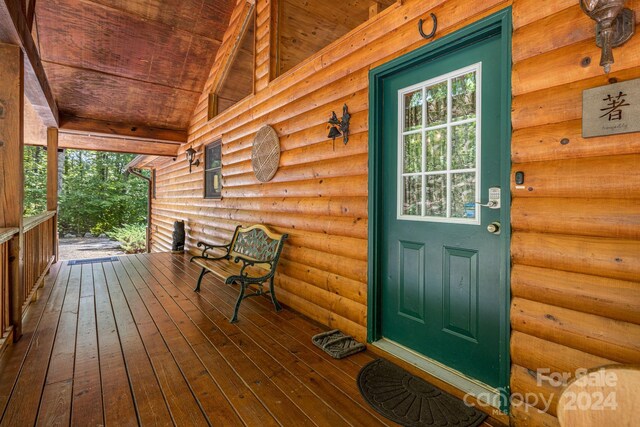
x=132 y=238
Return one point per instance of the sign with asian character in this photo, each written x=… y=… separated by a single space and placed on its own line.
x=611 y=109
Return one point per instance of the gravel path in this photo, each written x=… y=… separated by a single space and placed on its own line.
x=84 y=248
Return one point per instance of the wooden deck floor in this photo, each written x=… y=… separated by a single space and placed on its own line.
x=128 y=342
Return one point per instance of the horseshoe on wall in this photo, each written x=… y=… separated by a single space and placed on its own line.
x=433 y=32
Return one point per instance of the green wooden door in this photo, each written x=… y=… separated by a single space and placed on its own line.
x=442 y=284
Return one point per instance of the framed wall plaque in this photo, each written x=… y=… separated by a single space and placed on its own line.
x=611 y=109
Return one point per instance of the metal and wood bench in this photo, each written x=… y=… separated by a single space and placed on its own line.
x=250 y=258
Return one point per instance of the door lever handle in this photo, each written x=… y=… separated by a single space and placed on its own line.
x=491 y=204
x=494 y=199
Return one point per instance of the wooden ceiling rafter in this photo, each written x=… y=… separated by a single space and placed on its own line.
x=14 y=29
x=35 y=134
x=112 y=144
x=231 y=49
x=84 y=126
x=116 y=144
x=241 y=17
x=128 y=69
x=123 y=11
x=192 y=28
x=110 y=74
x=145 y=162
x=30 y=12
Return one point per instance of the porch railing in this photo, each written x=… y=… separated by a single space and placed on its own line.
x=38 y=239
x=6 y=234
x=39 y=247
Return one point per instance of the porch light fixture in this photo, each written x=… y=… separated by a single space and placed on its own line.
x=191 y=154
x=615 y=24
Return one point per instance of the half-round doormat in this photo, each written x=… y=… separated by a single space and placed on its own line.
x=411 y=401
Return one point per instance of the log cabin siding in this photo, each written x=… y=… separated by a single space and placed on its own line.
x=319 y=194
x=576 y=225
x=576 y=229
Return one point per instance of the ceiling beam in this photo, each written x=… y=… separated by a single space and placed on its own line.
x=30 y=13
x=112 y=145
x=80 y=125
x=14 y=29
x=231 y=43
x=116 y=145
x=142 y=162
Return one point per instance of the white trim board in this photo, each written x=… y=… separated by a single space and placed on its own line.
x=450 y=376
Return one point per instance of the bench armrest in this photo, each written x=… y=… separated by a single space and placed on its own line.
x=250 y=262
x=207 y=246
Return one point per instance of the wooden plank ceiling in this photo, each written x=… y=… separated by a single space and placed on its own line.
x=129 y=65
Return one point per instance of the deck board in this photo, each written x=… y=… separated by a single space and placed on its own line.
x=128 y=342
x=13 y=357
x=64 y=348
x=150 y=404
x=57 y=394
x=87 y=406
x=182 y=404
x=342 y=373
x=222 y=301
x=279 y=404
x=162 y=309
x=119 y=407
x=285 y=381
x=249 y=408
x=22 y=407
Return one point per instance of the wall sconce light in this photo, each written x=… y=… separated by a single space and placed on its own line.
x=191 y=154
x=339 y=127
x=615 y=24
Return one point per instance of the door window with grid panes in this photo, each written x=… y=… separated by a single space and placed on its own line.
x=438 y=143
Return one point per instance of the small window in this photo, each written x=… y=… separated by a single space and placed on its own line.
x=213 y=170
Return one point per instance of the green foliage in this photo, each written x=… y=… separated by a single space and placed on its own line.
x=132 y=237
x=95 y=195
x=35 y=180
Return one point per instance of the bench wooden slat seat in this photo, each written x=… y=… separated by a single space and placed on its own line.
x=250 y=258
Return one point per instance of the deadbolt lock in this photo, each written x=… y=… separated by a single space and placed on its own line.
x=494 y=227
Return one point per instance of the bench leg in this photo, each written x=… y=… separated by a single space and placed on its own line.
x=234 y=319
x=204 y=271
x=272 y=292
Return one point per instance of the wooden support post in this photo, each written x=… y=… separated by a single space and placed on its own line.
x=11 y=170
x=30 y=13
x=14 y=30
x=52 y=183
x=212 y=108
x=274 y=40
x=374 y=9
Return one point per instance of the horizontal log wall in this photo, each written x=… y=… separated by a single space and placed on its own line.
x=576 y=225
x=319 y=195
x=575 y=246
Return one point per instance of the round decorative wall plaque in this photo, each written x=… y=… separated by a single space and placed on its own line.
x=265 y=154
